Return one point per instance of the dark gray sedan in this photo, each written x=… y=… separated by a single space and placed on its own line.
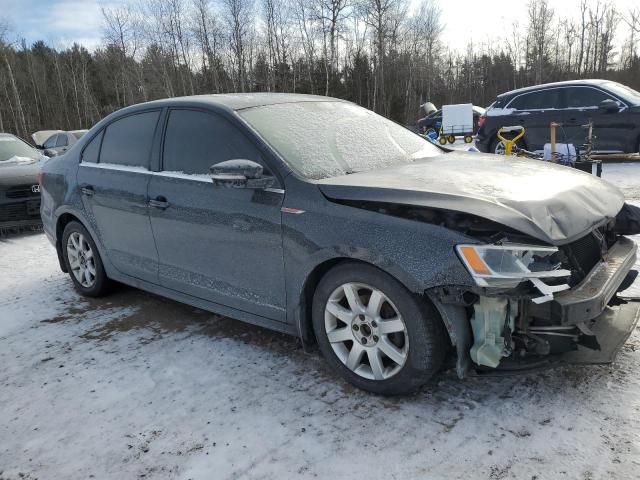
x=318 y=218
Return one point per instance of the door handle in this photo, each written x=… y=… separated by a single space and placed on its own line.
x=159 y=202
x=87 y=190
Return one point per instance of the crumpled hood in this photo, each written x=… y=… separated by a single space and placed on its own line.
x=552 y=203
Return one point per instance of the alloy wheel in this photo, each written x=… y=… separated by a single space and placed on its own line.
x=366 y=331
x=81 y=259
x=499 y=148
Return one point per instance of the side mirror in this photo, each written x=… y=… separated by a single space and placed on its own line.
x=50 y=153
x=609 y=106
x=239 y=173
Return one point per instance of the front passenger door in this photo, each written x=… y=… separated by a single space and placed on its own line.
x=220 y=244
x=611 y=129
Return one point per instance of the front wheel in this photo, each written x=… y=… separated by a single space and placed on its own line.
x=83 y=261
x=374 y=332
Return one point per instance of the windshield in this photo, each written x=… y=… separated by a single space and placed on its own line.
x=12 y=147
x=625 y=92
x=328 y=139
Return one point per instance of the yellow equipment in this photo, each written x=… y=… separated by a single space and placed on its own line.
x=510 y=142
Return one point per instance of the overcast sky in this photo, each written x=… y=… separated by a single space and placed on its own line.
x=62 y=22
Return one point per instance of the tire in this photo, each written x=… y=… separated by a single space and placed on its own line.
x=442 y=140
x=356 y=345
x=468 y=139
x=495 y=143
x=451 y=139
x=85 y=267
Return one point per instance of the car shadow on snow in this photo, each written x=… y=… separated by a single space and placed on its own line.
x=156 y=318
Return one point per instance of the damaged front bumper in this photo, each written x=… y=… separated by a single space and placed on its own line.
x=590 y=297
x=503 y=332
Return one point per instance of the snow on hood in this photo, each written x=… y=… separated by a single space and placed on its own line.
x=552 y=203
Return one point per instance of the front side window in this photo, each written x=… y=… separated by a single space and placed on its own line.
x=51 y=141
x=128 y=140
x=196 y=140
x=585 y=97
x=62 y=140
x=330 y=138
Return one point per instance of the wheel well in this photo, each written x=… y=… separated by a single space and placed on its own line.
x=306 y=302
x=63 y=220
x=310 y=285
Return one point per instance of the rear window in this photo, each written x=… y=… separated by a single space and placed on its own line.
x=128 y=141
x=541 y=100
x=78 y=134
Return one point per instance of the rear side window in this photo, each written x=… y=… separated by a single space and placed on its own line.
x=585 y=97
x=62 y=140
x=196 y=140
x=541 y=100
x=92 y=150
x=128 y=141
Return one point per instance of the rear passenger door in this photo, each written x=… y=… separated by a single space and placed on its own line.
x=113 y=177
x=220 y=244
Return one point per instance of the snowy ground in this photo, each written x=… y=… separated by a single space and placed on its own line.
x=136 y=386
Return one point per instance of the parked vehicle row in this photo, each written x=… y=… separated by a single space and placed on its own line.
x=363 y=238
x=613 y=108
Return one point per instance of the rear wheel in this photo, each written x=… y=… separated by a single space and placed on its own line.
x=375 y=333
x=498 y=147
x=83 y=261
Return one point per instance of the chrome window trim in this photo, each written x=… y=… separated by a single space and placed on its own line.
x=180 y=176
x=623 y=104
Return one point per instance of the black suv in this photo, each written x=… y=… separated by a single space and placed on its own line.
x=613 y=108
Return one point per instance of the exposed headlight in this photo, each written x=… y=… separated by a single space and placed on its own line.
x=509 y=265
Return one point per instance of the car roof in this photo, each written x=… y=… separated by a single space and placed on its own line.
x=566 y=83
x=240 y=101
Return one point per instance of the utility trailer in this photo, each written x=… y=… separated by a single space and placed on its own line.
x=457 y=120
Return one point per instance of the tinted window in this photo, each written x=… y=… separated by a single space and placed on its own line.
x=128 y=141
x=196 y=140
x=51 y=141
x=584 y=97
x=62 y=140
x=91 y=151
x=543 y=99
